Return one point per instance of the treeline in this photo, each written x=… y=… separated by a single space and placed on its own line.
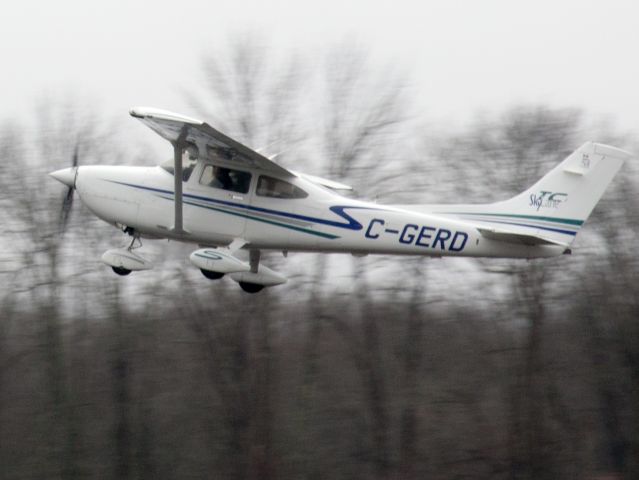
x=197 y=380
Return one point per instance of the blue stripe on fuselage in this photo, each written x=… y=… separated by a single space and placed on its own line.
x=566 y=232
x=338 y=209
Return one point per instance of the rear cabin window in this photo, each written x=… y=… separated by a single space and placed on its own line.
x=226 y=179
x=276 y=188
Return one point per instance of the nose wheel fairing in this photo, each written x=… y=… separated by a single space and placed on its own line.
x=125 y=259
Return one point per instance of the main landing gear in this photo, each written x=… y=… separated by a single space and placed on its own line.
x=211 y=275
x=222 y=259
x=214 y=263
x=250 y=287
x=121 y=271
x=254 y=262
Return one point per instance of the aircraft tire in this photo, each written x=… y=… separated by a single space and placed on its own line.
x=251 y=287
x=121 y=271
x=211 y=275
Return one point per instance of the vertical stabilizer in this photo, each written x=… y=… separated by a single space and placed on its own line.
x=556 y=207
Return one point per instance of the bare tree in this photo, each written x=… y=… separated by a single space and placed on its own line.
x=40 y=249
x=513 y=152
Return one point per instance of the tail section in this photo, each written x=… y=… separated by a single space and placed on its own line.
x=560 y=203
x=554 y=209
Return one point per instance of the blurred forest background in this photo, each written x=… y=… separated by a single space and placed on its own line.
x=358 y=368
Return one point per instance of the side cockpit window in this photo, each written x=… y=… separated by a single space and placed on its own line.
x=226 y=179
x=276 y=188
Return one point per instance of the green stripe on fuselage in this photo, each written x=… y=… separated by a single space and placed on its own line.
x=263 y=220
x=565 y=221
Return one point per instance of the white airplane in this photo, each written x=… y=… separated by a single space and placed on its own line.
x=223 y=196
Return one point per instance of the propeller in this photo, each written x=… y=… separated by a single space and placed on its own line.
x=67 y=203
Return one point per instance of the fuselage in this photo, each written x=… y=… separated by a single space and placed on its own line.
x=221 y=195
x=288 y=214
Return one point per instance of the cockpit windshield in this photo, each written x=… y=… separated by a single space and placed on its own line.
x=188 y=165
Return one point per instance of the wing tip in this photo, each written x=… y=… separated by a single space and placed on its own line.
x=135 y=112
x=150 y=112
x=609 y=150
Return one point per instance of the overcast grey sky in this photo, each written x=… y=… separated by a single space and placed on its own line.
x=466 y=55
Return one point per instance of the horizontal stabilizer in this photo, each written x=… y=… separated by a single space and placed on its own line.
x=515 y=237
x=324 y=182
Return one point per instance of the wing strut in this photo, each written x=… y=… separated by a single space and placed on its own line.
x=178 y=150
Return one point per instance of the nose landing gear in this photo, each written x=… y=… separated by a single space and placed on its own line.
x=123 y=261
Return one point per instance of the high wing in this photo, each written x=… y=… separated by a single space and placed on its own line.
x=178 y=128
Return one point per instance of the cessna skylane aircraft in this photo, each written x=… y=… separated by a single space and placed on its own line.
x=223 y=196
